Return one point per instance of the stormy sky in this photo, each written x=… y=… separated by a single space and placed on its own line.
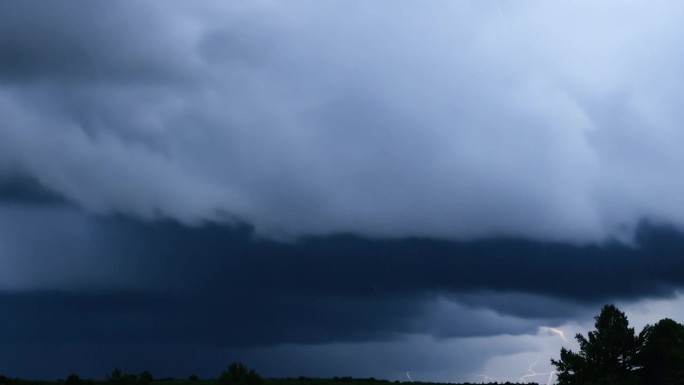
x=334 y=188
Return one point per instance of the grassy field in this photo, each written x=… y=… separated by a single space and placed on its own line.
x=267 y=381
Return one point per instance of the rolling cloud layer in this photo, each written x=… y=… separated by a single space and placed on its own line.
x=458 y=120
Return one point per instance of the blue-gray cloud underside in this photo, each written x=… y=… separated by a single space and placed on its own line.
x=220 y=286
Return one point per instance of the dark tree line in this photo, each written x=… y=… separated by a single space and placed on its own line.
x=238 y=374
x=118 y=377
x=235 y=374
x=614 y=354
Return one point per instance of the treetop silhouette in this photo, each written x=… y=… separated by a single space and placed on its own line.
x=615 y=354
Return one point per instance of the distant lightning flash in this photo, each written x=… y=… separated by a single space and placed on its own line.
x=485 y=378
x=408 y=375
x=531 y=373
x=558 y=332
x=553 y=373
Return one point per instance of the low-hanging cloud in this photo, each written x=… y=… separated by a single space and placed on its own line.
x=553 y=122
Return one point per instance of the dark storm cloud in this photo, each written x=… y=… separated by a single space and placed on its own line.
x=358 y=267
x=448 y=119
x=222 y=287
x=222 y=320
x=84 y=42
x=21 y=190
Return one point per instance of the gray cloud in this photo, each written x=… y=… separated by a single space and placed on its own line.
x=443 y=120
x=81 y=43
x=321 y=290
x=24 y=191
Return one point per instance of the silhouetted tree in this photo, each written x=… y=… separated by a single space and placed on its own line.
x=193 y=377
x=238 y=374
x=607 y=356
x=662 y=356
x=116 y=376
x=145 y=377
x=73 y=379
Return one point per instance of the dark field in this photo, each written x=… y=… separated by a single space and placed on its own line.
x=267 y=381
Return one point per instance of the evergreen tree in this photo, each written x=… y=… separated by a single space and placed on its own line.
x=662 y=356
x=608 y=355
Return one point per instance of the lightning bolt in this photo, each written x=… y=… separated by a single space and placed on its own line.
x=408 y=375
x=531 y=373
x=556 y=331
x=553 y=373
x=560 y=333
x=485 y=378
